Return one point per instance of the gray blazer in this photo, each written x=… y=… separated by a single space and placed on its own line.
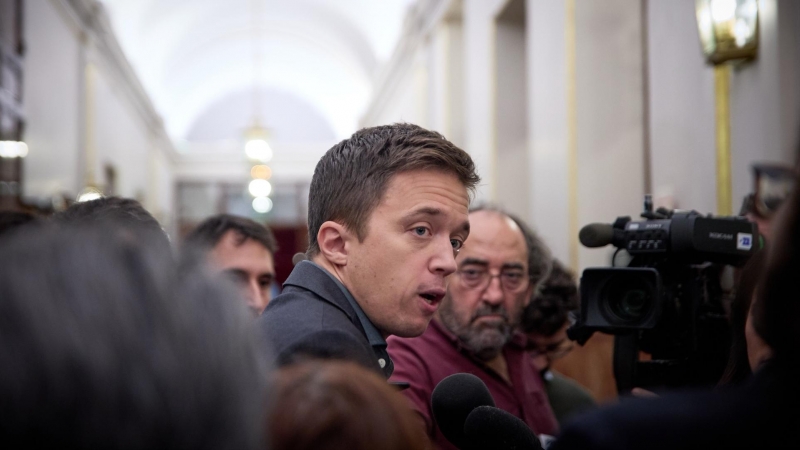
x=312 y=318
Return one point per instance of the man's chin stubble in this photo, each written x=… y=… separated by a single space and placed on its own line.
x=487 y=344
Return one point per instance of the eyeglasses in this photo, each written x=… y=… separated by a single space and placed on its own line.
x=554 y=351
x=511 y=280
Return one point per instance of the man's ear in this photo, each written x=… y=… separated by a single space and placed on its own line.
x=334 y=239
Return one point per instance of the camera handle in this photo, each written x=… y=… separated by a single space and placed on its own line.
x=626 y=357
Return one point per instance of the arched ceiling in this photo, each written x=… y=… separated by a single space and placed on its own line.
x=290 y=119
x=316 y=56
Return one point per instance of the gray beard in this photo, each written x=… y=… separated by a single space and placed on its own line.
x=484 y=341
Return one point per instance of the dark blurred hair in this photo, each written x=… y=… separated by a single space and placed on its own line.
x=351 y=178
x=208 y=234
x=539 y=257
x=332 y=405
x=549 y=309
x=124 y=213
x=738 y=368
x=106 y=344
x=13 y=220
x=776 y=310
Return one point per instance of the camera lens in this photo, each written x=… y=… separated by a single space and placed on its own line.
x=627 y=300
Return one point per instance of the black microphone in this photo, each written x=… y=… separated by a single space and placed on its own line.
x=453 y=399
x=490 y=427
x=596 y=235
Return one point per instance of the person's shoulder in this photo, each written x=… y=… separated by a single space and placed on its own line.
x=675 y=420
x=299 y=312
x=562 y=384
x=417 y=350
x=428 y=339
x=328 y=343
x=300 y=322
x=292 y=306
x=426 y=358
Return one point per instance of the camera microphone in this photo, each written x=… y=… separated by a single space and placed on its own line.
x=596 y=235
x=452 y=401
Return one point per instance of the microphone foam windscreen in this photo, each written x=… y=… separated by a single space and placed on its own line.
x=596 y=235
x=489 y=427
x=453 y=399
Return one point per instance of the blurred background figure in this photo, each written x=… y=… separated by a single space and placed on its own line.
x=243 y=250
x=333 y=405
x=12 y=220
x=545 y=321
x=120 y=214
x=106 y=344
x=738 y=368
x=772 y=184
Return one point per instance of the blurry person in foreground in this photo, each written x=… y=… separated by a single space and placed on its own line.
x=338 y=405
x=241 y=248
x=107 y=344
x=11 y=221
x=123 y=214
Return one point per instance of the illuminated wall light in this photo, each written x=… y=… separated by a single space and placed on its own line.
x=723 y=10
x=741 y=31
x=261 y=172
x=262 y=205
x=259 y=188
x=258 y=150
x=89 y=194
x=728 y=29
x=13 y=149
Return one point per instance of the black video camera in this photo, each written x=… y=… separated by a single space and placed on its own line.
x=667 y=301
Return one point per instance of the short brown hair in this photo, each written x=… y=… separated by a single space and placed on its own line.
x=351 y=178
x=549 y=309
x=208 y=234
x=125 y=214
x=332 y=405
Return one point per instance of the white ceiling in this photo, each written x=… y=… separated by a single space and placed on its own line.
x=319 y=57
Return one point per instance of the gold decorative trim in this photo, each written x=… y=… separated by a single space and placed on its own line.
x=90 y=150
x=722 y=78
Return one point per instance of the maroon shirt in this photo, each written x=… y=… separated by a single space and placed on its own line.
x=425 y=360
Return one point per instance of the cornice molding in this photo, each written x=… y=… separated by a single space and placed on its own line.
x=90 y=21
x=420 y=20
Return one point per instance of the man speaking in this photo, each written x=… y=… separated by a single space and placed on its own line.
x=387 y=213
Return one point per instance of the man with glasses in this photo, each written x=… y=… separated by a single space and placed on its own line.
x=474 y=329
x=545 y=321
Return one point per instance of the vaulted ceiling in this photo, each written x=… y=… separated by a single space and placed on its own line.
x=317 y=59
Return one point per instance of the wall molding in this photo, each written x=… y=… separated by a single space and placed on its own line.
x=419 y=22
x=91 y=24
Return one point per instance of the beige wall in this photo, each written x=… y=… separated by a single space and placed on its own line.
x=640 y=83
x=512 y=183
x=81 y=95
x=52 y=96
x=610 y=116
